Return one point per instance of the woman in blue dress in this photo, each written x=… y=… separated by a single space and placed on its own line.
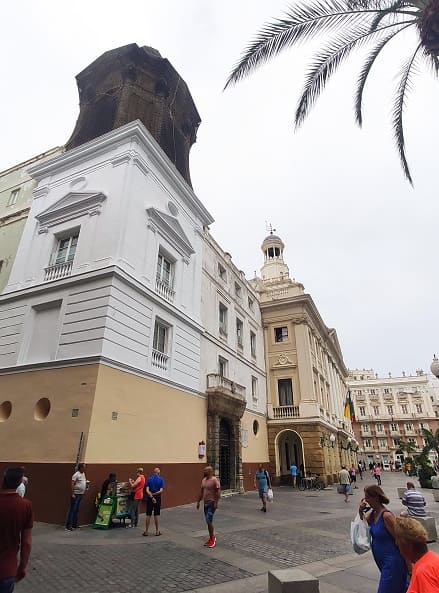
x=384 y=549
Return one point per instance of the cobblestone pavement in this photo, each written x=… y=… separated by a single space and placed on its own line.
x=306 y=529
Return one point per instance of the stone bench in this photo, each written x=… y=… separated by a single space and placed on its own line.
x=292 y=580
x=401 y=492
x=429 y=524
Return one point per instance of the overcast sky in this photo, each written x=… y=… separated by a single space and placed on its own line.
x=357 y=235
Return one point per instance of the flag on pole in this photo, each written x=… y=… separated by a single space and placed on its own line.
x=349 y=411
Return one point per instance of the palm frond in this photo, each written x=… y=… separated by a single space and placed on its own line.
x=398 y=109
x=384 y=12
x=365 y=70
x=431 y=61
x=326 y=63
x=303 y=21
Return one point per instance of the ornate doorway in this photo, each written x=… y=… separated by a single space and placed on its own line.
x=224 y=454
x=289 y=450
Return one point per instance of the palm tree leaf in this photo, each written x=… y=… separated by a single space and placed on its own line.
x=326 y=63
x=387 y=11
x=365 y=70
x=398 y=109
x=302 y=22
x=431 y=61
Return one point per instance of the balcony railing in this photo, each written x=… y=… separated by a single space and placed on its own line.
x=164 y=290
x=283 y=412
x=159 y=360
x=58 y=271
x=216 y=381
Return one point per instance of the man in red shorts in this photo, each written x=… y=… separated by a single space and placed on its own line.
x=210 y=494
x=16 y=524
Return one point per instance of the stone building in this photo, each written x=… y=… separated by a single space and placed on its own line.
x=306 y=375
x=390 y=410
x=16 y=188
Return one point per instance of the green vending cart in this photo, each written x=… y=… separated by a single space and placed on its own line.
x=114 y=505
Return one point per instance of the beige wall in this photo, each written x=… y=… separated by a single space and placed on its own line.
x=256 y=450
x=157 y=423
x=56 y=438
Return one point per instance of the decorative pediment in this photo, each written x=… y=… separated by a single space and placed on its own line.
x=172 y=230
x=71 y=206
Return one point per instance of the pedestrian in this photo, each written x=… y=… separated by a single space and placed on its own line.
x=412 y=538
x=16 y=523
x=78 y=487
x=377 y=474
x=293 y=470
x=210 y=494
x=360 y=469
x=153 y=491
x=136 y=496
x=353 y=476
x=108 y=486
x=262 y=483
x=414 y=501
x=345 y=481
x=393 y=569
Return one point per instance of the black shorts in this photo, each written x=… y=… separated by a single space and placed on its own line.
x=153 y=506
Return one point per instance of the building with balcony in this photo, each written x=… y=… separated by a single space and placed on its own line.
x=390 y=410
x=16 y=188
x=306 y=375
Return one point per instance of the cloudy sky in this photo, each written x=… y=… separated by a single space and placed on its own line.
x=357 y=235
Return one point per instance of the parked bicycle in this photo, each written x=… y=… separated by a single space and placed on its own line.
x=311 y=483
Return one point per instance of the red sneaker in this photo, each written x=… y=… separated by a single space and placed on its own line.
x=212 y=543
x=207 y=542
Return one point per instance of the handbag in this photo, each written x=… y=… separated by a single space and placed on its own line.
x=270 y=495
x=360 y=535
x=340 y=489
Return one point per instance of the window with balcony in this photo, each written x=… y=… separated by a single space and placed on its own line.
x=390 y=410
x=383 y=443
x=280 y=334
x=359 y=392
x=376 y=410
x=253 y=344
x=368 y=443
x=372 y=392
x=222 y=273
x=404 y=409
x=13 y=197
x=412 y=441
x=409 y=427
x=285 y=392
x=255 y=390
x=366 y=428
x=397 y=442
x=61 y=261
x=379 y=428
x=165 y=277
x=222 y=366
x=222 y=312
x=393 y=427
x=362 y=411
x=387 y=391
x=160 y=344
x=418 y=408
x=239 y=331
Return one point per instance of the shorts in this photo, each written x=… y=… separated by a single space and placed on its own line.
x=209 y=511
x=153 y=506
x=346 y=488
x=263 y=493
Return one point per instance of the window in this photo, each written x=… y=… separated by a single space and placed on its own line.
x=251 y=304
x=379 y=427
x=368 y=443
x=390 y=410
x=386 y=391
x=365 y=428
x=222 y=366
x=397 y=442
x=65 y=249
x=13 y=197
x=222 y=272
x=223 y=319
x=404 y=409
x=280 y=334
x=418 y=408
x=253 y=344
x=285 y=391
x=412 y=441
x=165 y=270
x=255 y=390
x=383 y=443
x=359 y=392
x=160 y=341
x=409 y=426
x=393 y=427
x=238 y=291
x=376 y=410
x=239 y=329
x=362 y=411
x=372 y=392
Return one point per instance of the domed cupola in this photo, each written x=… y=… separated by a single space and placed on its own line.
x=274 y=267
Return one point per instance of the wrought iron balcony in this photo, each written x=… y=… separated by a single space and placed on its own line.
x=58 y=271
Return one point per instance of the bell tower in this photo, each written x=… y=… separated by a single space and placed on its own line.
x=274 y=267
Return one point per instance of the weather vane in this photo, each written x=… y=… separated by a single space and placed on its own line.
x=269 y=227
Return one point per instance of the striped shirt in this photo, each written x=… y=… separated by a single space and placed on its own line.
x=415 y=503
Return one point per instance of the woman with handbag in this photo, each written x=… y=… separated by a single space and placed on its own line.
x=386 y=554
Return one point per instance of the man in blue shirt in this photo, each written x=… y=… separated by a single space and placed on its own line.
x=154 y=488
x=262 y=483
x=293 y=470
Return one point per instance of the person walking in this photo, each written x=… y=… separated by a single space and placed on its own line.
x=353 y=476
x=345 y=481
x=414 y=501
x=16 y=522
x=360 y=470
x=78 y=487
x=210 y=494
x=377 y=474
x=154 y=488
x=293 y=470
x=411 y=539
x=136 y=496
x=262 y=483
x=392 y=566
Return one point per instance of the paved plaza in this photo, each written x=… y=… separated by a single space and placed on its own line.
x=309 y=530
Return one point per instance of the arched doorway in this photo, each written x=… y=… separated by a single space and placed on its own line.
x=289 y=450
x=225 y=453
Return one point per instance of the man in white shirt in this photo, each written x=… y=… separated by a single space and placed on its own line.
x=344 y=479
x=78 y=488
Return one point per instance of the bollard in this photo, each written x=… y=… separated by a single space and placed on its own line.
x=292 y=580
